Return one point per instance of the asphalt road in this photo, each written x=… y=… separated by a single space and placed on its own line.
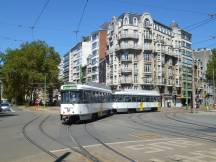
x=27 y=136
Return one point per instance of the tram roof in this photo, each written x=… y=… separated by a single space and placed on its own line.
x=138 y=92
x=84 y=87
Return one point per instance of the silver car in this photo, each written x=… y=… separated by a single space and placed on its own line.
x=5 y=107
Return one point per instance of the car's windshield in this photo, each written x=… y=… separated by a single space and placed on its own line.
x=4 y=104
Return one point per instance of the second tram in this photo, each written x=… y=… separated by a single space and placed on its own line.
x=136 y=100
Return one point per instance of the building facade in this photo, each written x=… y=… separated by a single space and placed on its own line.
x=98 y=51
x=204 y=88
x=75 y=61
x=146 y=54
x=82 y=63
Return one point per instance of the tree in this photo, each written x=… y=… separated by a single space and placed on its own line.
x=24 y=70
x=211 y=66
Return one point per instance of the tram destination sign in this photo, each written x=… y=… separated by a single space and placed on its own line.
x=69 y=87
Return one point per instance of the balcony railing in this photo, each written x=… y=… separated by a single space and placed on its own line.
x=148 y=37
x=125 y=59
x=149 y=48
x=126 y=70
x=128 y=36
x=125 y=81
x=127 y=47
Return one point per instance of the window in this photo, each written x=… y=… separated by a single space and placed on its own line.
x=126 y=20
x=135 y=79
x=125 y=32
x=147 y=57
x=136 y=33
x=94 y=37
x=146 y=23
x=68 y=97
x=94 y=61
x=94 y=53
x=147 y=68
x=135 y=66
x=135 y=21
x=94 y=45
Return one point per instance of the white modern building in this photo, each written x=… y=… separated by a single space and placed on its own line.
x=82 y=63
x=75 y=60
x=146 y=54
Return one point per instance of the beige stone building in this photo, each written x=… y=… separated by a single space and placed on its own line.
x=146 y=54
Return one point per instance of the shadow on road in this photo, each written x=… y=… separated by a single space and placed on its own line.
x=7 y=114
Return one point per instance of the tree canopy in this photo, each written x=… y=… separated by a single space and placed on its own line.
x=24 y=70
x=211 y=67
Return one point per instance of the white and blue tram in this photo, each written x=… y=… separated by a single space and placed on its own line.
x=84 y=102
x=136 y=100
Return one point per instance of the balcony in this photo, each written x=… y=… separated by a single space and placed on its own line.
x=148 y=48
x=126 y=81
x=126 y=59
x=148 y=37
x=126 y=70
x=128 y=47
x=128 y=36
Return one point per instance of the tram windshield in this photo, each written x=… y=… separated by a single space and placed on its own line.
x=71 y=97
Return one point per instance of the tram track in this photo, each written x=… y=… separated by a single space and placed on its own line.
x=82 y=151
x=186 y=121
x=107 y=146
x=26 y=136
x=166 y=130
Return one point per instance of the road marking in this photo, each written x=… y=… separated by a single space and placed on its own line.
x=158 y=146
x=135 y=141
x=60 y=150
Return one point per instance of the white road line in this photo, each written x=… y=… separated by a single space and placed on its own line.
x=60 y=150
x=124 y=142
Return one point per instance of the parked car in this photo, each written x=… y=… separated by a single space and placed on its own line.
x=5 y=107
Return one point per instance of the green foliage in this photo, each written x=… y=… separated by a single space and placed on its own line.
x=24 y=70
x=211 y=66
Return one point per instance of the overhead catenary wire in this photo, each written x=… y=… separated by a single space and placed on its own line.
x=38 y=17
x=160 y=7
x=81 y=18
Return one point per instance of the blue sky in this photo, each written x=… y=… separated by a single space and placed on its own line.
x=60 y=19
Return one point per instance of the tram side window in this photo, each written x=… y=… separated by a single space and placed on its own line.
x=85 y=97
x=139 y=98
x=143 y=98
x=134 y=99
x=148 y=98
x=119 y=98
x=127 y=98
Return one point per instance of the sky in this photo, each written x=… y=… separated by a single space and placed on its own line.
x=60 y=19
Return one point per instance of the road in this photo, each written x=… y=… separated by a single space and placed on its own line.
x=27 y=136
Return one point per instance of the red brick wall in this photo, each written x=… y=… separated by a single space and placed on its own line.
x=102 y=44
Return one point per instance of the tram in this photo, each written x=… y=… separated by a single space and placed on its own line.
x=136 y=100
x=84 y=102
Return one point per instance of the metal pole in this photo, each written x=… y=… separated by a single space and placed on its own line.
x=45 y=91
x=193 y=88
x=213 y=87
x=187 y=89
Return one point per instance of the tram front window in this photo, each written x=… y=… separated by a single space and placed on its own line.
x=71 y=97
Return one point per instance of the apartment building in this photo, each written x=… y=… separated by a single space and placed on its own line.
x=61 y=69
x=75 y=61
x=98 y=51
x=82 y=63
x=204 y=88
x=146 y=54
